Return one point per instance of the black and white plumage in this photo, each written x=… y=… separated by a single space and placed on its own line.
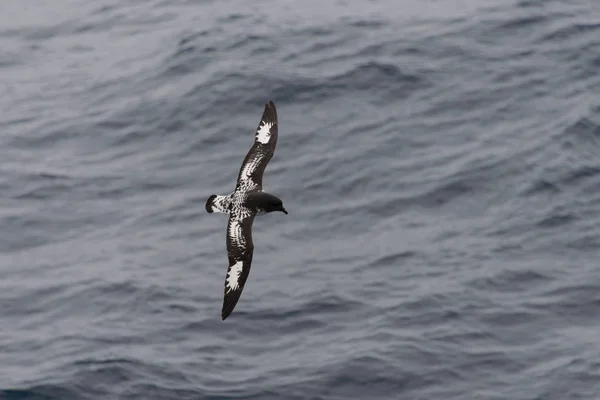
x=247 y=200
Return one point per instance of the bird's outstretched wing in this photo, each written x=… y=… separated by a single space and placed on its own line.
x=239 y=251
x=261 y=152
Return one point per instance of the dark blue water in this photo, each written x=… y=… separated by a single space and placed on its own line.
x=440 y=162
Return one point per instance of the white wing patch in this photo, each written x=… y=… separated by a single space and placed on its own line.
x=236 y=233
x=263 y=134
x=248 y=168
x=233 y=276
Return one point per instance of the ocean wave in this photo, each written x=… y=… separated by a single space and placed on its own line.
x=441 y=174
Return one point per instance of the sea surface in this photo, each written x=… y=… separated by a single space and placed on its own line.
x=440 y=162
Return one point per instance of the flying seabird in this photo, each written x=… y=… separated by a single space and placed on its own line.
x=247 y=200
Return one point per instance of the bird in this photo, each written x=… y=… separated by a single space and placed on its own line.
x=246 y=202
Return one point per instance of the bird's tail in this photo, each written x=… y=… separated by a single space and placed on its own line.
x=216 y=203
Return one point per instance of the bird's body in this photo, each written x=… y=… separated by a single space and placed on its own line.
x=243 y=204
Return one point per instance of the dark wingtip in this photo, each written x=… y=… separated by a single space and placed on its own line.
x=209 y=202
x=226 y=312
x=270 y=113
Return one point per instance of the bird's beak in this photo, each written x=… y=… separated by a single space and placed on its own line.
x=283 y=210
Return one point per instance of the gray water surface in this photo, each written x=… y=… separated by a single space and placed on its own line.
x=440 y=162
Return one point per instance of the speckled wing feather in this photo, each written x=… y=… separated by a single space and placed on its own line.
x=261 y=152
x=239 y=251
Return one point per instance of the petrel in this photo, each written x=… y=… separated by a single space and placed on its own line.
x=247 y=200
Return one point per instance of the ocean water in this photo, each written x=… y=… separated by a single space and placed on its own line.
x=440 y=162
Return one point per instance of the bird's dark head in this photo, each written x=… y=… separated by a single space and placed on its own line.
x=275 y=205
x=265 y=202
